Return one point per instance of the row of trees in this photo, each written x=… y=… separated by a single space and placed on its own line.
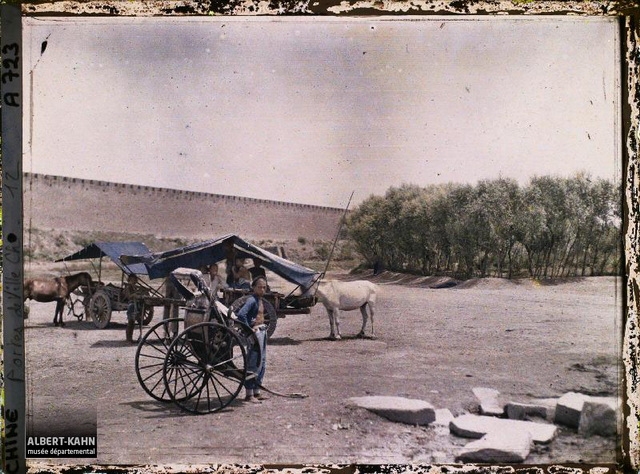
x=553 y=227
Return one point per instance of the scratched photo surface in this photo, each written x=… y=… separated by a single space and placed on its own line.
x=171 y=131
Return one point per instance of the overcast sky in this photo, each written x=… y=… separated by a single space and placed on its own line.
x=309 y=110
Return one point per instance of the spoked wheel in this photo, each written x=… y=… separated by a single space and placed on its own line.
x=270 y=314
x=205 y=367
x=100 y=309
x=147 y=315
x=249 y=340
x=150 y=355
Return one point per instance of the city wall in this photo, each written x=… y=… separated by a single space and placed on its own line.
x=62 y=203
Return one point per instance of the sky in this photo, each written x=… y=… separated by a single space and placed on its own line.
x=311 y=110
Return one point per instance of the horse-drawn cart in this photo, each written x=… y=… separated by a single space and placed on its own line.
x=99 y=300
x=295 y=279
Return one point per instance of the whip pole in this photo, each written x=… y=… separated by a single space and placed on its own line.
x=335 y=241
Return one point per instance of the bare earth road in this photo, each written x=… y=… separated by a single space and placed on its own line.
x=523 y=339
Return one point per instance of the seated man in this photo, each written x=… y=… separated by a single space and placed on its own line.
x=216 y=283
x=230 y=258
x=241 y=275
x=257 y=269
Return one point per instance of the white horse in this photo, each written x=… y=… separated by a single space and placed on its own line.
x=347 y=296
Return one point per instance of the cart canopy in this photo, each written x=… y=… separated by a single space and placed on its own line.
x=160 y=265
x=113 y=250
x=195 y=276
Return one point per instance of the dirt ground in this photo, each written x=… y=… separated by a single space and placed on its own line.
x=525 y=339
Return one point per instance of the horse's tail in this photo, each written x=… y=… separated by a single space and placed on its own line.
x=26 y=290
x=375 y=292
x=375 y=288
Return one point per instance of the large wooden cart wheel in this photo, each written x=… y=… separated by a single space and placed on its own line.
x=147 y=315
x=150 y=355
x=205 y=368
x=270 y=314
x=100 y=309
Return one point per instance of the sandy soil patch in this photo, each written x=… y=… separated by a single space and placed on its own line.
x=524 y=339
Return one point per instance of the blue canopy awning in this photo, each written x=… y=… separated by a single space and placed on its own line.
x=160 y=265
x=113 y=250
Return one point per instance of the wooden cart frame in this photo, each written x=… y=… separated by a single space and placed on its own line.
x=99 y=300
x=196 y=256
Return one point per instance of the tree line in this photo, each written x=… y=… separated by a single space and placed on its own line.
x=552 y=227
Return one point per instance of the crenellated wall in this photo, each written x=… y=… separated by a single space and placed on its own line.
x=57 y=202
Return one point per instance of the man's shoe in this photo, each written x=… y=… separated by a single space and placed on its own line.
x=261 y=396
x=251 y=399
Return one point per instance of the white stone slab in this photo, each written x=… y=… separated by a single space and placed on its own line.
x=400 y=409
x=489 y=401
x=568 y=409
x=443 y=417
x=498 y=447
x=475 y=426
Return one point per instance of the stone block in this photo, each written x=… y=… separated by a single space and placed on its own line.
x=399 y=409
x=524 y=411
x=475 y=426
x=489 y=401
x=512 y=446
x=550 y=403
x=598 y=417
x=569 y=408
